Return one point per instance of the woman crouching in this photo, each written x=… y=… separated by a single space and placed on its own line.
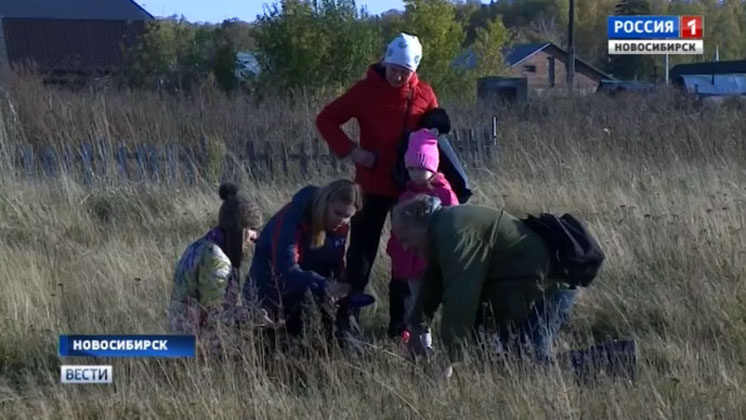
x=302 y=249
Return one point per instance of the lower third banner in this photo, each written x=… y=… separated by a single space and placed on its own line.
x=127 y=345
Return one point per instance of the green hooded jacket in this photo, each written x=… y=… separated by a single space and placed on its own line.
x=478 y=254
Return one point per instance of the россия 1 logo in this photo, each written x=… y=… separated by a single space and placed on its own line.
x=656 y=35
x=692 y=27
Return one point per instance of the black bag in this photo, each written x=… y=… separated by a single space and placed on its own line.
x=453 y=171
x=576 y=255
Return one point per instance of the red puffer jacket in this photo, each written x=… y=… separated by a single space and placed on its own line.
x=379 y=109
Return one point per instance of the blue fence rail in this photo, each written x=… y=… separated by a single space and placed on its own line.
x=96 y=162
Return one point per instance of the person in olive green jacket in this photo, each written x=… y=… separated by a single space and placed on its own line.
x=481 y=255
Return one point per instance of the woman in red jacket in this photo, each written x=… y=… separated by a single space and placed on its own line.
x=387 y=104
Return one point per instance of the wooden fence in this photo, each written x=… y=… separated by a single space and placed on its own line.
x=174 y=163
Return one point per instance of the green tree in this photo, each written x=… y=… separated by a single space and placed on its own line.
x=465 y=11
x=390 y=23
x=290 y=46
x=487 y=48
x=526 y=20
x=230 y=38
x=177 y=55
x=163 y=55
x=354 y=41
x=327 y=44
x=434 y=22
x=723 y=30
x=590 y=30
x=308 y=46
x=237 y=33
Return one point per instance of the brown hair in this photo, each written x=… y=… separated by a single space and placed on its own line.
x=342 y=190
x=237 y=213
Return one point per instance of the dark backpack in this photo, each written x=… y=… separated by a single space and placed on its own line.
x=576 y=255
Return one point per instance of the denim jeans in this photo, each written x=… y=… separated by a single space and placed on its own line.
x=540 y=329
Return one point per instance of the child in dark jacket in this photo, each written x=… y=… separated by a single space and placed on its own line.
x=407 y=267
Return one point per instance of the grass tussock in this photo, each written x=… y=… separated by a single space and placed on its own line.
x=660 y=181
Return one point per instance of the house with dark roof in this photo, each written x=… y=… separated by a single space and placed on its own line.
x=63 y=37
x=544 y=67
x=714 y=78
x=709 y=68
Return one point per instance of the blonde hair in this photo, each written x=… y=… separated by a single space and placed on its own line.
x=342 y=190
x=415 y=213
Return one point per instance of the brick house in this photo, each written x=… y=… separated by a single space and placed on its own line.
x=70 y=37
x=544 y=67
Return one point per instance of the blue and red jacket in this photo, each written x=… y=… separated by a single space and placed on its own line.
x=284 y=266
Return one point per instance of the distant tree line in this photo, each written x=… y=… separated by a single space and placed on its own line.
x=324 y=45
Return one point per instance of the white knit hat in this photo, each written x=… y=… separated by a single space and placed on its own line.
x=405 y=51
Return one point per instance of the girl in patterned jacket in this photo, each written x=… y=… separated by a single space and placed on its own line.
x=205 y=284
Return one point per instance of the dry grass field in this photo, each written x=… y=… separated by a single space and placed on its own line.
x=662 y=183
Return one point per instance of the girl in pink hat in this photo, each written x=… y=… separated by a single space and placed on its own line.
x=407 y=267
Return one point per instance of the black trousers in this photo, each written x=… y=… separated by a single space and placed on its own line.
x=295 y=322
x=299 y=311
x=365 y=237
x=398 y=295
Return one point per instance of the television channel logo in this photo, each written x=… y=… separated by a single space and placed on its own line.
x=655 y=35
x=86 y=374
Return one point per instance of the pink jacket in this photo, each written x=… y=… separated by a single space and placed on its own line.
x=406 y=264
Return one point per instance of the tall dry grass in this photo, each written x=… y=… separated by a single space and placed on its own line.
x=660 y=181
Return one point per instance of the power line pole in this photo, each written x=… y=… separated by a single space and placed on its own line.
x=571 y=48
